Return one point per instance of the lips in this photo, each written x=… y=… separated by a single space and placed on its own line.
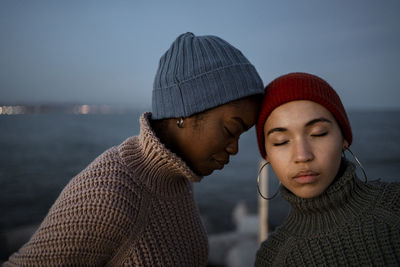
x=306 y=177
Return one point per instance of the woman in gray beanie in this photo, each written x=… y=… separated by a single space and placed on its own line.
x=134 y=204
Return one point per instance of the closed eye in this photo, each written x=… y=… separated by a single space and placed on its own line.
x=281 y=143
x=320 y=134
x=229 y=132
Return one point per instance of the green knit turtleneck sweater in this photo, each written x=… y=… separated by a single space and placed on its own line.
x=350 y=224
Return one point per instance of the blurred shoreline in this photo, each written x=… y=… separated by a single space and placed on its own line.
x=83 y=109
x=66 y=108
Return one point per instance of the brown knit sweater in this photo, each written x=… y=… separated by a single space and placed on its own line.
x=131 y=206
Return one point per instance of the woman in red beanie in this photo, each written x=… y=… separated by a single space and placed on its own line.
x=335 y=218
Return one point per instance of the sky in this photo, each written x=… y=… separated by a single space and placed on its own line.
x=107 y=52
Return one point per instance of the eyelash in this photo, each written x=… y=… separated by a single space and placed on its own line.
x=313 y=135
x=280 y=144
x=320 y=135
x=229 y=132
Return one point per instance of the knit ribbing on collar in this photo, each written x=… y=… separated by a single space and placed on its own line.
x=158 y=168
x=346 y=198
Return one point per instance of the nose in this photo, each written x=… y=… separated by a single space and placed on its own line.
x=233 y=147
x=302 y=151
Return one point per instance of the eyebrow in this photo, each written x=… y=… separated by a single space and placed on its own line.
x=308 y=124
x=314 y=121
x=238 y=119
x=278 y=129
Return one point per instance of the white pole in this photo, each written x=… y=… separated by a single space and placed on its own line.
x=263 y=203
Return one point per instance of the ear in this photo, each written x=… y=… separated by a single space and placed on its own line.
x=265 y=149
x=266 y=157
x=345 y=145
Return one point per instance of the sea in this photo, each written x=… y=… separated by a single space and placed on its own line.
x=40 y=153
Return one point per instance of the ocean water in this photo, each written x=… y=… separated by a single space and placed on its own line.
x=39 y=154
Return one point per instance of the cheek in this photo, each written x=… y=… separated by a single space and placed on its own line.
x=329 y=157
x=332 y=158
x=209 y=143
x=279 y=163
x=331 y=148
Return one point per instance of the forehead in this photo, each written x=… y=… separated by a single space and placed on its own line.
x=297 y=113
x=246 y=109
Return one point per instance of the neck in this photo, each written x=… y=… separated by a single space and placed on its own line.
x=158 y=167
x=162 y=129
x=343 y=200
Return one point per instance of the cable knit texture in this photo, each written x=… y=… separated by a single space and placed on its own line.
x=350 y=224
x=132 y=206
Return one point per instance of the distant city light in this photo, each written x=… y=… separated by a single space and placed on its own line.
x=12 y=110
x=82 y=109
x=92 y=109
x=64 y=109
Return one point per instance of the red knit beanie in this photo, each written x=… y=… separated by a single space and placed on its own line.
x=301 y=86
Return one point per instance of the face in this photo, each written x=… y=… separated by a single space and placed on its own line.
x=304 y=144
x=208 y=140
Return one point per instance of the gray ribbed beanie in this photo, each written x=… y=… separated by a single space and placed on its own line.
x=201 y=72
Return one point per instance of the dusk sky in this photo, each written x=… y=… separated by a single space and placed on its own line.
x=107 y=52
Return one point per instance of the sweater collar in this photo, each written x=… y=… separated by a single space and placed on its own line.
x=342 y=201
x=158 y=168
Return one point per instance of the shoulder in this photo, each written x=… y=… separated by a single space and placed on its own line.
x=102 y=202
x=106 y=170
x=390 y=196
x=105 y=191
x=95 y=213
x=391 y=190
x=108 y=167
x=387 y=208
x=106 y=177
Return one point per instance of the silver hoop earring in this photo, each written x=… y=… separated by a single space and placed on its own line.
x=359 y=164
x=180 y=123
x=258 y=184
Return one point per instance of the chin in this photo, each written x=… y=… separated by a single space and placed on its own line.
x=206 y=173
x=202 y=172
